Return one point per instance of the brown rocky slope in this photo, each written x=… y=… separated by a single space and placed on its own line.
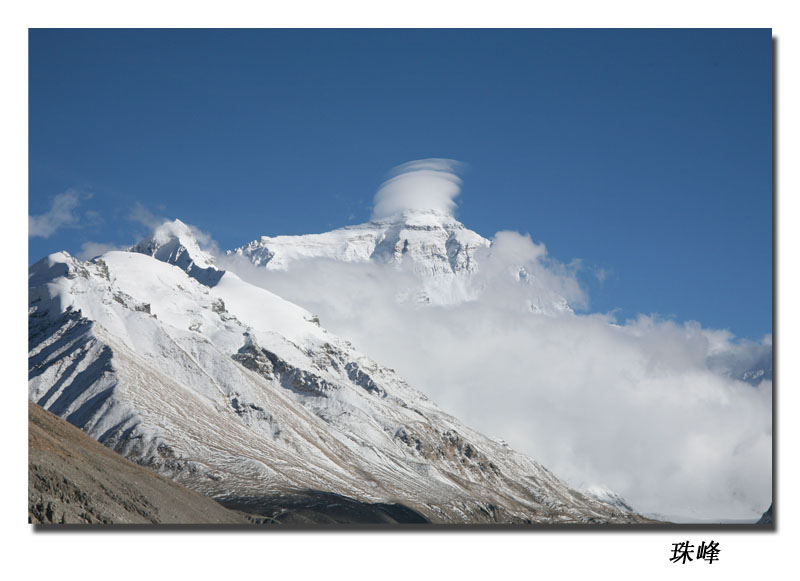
x=72 y=479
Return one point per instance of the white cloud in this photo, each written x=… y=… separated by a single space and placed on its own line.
x=428 y=184
x=601 y=274
x=653 y=409
x=61 y=214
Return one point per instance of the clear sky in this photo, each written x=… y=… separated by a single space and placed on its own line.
x=647 y=154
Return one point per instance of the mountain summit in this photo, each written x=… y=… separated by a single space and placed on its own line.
x=413 y=229
x=175 y=243
x=435 y=243
x=444 y=256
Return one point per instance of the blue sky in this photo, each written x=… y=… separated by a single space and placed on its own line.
x=645 y=153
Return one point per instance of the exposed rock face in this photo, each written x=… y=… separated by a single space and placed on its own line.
x=72 y=479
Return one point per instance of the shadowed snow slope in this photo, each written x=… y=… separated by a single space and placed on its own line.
x=233 y=391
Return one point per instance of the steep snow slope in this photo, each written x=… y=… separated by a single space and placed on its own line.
x=440 y=250
x=233 y=391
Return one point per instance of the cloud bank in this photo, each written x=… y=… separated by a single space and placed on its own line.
x=428 y=184
x=650 y=408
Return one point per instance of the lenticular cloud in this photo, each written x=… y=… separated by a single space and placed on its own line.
x=427 y=184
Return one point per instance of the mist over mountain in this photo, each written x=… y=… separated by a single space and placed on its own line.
x=673 y=416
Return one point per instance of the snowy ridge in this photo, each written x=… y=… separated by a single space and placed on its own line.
x=233 y=391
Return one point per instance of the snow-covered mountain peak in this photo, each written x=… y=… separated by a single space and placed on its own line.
x=413 y=224
x=443 y=253
x=175 y=243
x=235 y=392
x=432 y=241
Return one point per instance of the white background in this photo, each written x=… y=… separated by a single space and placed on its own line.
x=377 y=554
